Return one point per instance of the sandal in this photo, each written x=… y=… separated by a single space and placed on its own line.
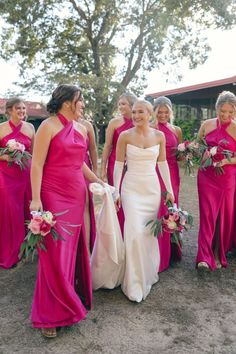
x=49 y=332
x=203 y=265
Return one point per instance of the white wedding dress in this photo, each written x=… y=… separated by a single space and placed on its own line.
x=140 y=197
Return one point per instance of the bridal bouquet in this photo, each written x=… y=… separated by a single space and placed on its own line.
x=17 y=153
x=175 y=221
x=42 y=224
x=187 y=151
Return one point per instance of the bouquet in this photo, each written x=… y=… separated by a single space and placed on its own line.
x=187 y=151
x=42 y=224
x=175 y=221
x=17 y=153
x=211 y=156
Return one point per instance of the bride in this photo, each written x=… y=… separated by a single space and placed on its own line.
x=142 y=147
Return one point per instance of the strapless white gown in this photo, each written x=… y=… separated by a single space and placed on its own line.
x=140 y=196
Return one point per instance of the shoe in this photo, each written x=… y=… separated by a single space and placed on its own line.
x=203 y=265
x=218 y=264
x=49 y=332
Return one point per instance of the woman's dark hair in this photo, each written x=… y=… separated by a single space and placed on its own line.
x=62 y=94
x=11 y=103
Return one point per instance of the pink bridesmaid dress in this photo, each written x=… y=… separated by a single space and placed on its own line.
x=216 y=202
x=167 y=249
x=128 y=123
x=63 y=289
x=91 y=206
x=14 y=198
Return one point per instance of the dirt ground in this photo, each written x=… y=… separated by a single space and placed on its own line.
x=186 y=311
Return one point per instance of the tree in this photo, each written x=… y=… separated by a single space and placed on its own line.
x=106 y=45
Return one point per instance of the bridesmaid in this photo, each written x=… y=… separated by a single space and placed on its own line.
x=91 y=158
x=216 y=192
x=115 y=127
x=14 y=184
x=63 y=288
x=173 y=134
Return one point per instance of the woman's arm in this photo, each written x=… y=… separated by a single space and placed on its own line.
x=164 y=169
x=89 y=175
x=41 y=146
x=179 y=134
x=107 y=148
x=93 y=153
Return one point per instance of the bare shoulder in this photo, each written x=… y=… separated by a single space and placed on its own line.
x=4 y=124
x=115 y=122
x=48 y=124
x=209 y=122
x=30 y=126
x=88 y=125
x=81 y=128
x=158 y=133
x=177 y=129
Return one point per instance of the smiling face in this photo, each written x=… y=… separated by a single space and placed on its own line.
x=162 y=114
x=18 y=111
x=226 y=112
x=124 y=107
x=76 y=106
x=141 y=114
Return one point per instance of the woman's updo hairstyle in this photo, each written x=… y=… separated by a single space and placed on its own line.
x=226 y=97
x=11 y=102
x=163 y=101
x=130 y=97
x=147 y=104
x=62 y=94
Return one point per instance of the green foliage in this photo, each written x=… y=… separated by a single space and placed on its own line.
x=105 y=44
x=189 y=127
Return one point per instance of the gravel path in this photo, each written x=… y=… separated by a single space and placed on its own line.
x=186 y=312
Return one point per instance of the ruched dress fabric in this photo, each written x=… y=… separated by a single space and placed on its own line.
x=140 y=197
x=63 y=288
x=15 y=195
x=128 y=123
x=168 y=250
x=91 y=205
x=216 y=202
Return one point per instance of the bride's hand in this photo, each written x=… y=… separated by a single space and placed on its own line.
x=169 y=198
x=117 y=204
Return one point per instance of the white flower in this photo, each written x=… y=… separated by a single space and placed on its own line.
x=213 y=150
x=48 y=217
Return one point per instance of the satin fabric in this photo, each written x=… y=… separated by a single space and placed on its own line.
x=63 y=288
x=15 y=195
x=140 y=197
x=216 y=202
x=128 y=123
x=91 y=205
x=107 y=260
x=168 y=250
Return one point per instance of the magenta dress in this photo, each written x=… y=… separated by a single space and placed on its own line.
x=167 y=249
x=91 y=206
x=14 y=198
x=128 y=123
x=216 y=202
x=63 y=288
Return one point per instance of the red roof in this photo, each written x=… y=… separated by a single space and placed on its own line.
x=229 y=80
x=33 y=109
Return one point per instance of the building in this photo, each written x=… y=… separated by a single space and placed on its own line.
x=196 y=101
x=36 y=112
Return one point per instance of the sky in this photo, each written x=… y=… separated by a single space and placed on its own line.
x=221 y=63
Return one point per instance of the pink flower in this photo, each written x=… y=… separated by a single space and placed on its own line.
x=45 y=228
x=171 y=225
x=181 y=147
x=34 y=226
